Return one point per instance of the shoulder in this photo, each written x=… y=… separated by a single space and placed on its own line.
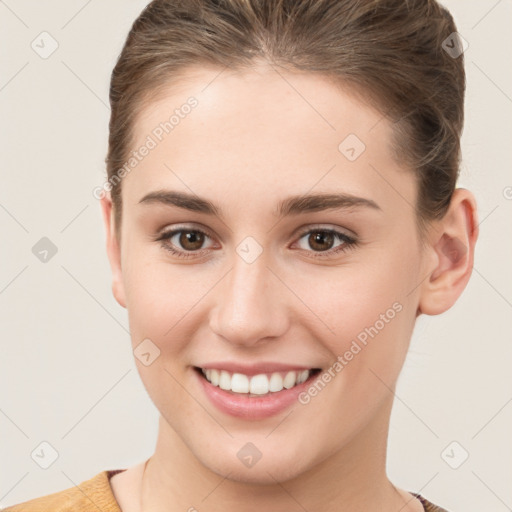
x=428 y=505
x=95 y=493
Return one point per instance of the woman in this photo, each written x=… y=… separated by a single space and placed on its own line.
x=280 y=208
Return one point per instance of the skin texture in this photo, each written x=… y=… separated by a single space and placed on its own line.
x=254 y=139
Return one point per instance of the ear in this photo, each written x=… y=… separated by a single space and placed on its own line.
x=113 y=249
x=452 y=247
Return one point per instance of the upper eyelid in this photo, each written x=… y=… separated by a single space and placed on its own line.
x=301 y=230
x=319 y=227
x=178 y=228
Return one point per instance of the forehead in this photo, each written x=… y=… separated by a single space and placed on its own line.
x=263 y=125
x=263 y=98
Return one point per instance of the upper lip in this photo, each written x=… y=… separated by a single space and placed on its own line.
x=255 y=368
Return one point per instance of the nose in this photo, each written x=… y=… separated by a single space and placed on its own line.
x=250 y=304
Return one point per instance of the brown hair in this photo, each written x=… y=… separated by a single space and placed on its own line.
x=392 y=50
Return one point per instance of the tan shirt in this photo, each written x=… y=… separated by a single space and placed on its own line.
x=96 y=494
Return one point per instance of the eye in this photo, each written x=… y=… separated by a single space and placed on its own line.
x=322 y=240
x=183 y=242
x=187 y=242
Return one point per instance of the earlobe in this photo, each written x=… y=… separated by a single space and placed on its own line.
x=113 y=250
x=453 y=248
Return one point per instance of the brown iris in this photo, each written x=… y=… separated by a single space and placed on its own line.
x=194 y=238
x=318 y=239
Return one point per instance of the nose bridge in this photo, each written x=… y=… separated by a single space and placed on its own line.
x=248 y=304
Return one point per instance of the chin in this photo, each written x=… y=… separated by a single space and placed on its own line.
x=260 y=474
x=275 y=465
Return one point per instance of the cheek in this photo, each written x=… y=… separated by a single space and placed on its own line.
x=161 y=298
x=366 y=310
x=367 y=324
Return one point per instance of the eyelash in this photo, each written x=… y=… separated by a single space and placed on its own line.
x=348 y=242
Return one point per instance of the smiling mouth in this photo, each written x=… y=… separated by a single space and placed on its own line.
x=256 y=385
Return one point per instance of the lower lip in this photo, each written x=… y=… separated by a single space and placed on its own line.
x=251 y=407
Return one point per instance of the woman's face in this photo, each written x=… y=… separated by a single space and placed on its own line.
x=279 y=281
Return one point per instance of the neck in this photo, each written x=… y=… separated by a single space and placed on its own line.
x=351 y=479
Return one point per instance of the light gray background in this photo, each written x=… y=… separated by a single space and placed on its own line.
x=67 y=371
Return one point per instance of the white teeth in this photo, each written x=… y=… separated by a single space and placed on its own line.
x=214 y=377
x=240 y=383
x=289 y=380
x=302 y=377
x=225 y=381
x=276 y=382
x=260 y=384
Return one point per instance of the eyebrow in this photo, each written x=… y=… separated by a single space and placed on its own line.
x=293 y=205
